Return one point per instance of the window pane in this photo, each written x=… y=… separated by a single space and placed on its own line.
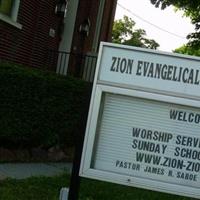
x=6 y=7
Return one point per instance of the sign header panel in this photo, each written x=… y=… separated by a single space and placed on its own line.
x=149 y=139
x=136 y=67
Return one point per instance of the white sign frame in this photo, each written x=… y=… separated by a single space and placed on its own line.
x=101 y=87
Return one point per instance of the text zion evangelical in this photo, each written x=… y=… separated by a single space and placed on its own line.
x=162 y=71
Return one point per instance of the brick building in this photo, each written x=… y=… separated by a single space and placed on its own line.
x=34 y=34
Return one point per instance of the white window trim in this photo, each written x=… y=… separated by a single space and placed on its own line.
x=12 y=20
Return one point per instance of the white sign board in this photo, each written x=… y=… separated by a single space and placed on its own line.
x=143 y=127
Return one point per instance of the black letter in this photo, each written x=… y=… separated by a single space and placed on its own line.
x=113 y=64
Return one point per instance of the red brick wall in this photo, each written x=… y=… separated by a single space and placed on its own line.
x=86 y=9
x=108 y=19
x=30 y=44
x=89 y=9
x=82 y=44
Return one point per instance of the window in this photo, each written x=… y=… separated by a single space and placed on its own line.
x=9 y=11
x=6 y=7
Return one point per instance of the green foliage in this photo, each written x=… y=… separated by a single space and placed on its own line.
x=191 y=8
x=39 y=108
x=188 y=50
x=124 y=33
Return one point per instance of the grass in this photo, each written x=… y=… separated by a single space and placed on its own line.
x=34 y=188
x=47 y=188
x=93 y=190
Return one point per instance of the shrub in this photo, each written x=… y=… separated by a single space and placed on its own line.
x=39 y=108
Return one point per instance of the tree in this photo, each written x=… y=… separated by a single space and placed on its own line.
x=185 y=49
x=191 y=8
x=124 y=33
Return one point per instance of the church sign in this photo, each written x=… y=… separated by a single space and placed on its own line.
x=143 y=126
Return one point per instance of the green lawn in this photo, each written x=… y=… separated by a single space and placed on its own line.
x=35 y=188
x=47 y=188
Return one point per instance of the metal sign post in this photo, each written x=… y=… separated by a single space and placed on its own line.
x=79 y=138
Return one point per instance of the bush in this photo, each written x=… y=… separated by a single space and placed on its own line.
x=39 y=108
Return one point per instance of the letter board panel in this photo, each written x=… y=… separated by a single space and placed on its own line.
x=132 y=67
x=149 y=139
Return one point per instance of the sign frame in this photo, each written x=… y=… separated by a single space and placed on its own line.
x=101 y=87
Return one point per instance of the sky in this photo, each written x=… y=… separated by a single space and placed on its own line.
x=167 y=27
